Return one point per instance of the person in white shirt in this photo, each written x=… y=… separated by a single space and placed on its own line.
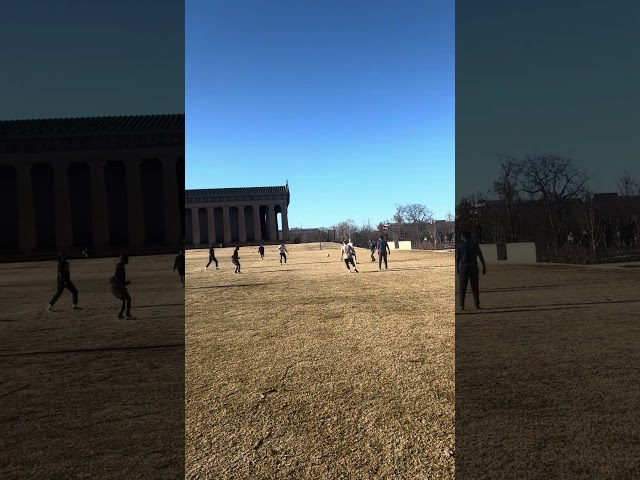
x=283 y=253
x=347 y=253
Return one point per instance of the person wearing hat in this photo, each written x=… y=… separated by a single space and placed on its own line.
x=118 y=284
x=64 y=281
x=212 y=258
x=179 y=264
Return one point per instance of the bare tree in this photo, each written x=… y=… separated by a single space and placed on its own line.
x=507 y=188
x=449 y=217
x=591 y=224
x=555 y=182
x=627 y=186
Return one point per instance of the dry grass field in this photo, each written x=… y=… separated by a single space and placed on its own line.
x=105 y=396
x=547 y=376
x=304 y=371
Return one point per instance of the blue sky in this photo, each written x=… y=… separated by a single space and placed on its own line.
x=352 y=102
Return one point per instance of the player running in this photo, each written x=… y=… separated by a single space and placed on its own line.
x=235 y=259
x=118 y=284
x=212 y=257
x=64 y=281
x=346 y=253
x=179 y=264
x=261 y=251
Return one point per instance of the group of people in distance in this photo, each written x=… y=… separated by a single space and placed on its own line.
x=117 y=284
x=235 y=257
x=348 y=253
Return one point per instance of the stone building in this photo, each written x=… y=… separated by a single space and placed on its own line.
x=239 y=216
x=106 y=183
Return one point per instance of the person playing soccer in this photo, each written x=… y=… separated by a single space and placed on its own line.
x=118 y=284
x=372 y=247
x=212 y=257
x=283 y=253
x=383 y=248
x=235 y=259
x=261 y=251
x=64 y=281
x=467 y=254
x=347 y=254
x=179 y=264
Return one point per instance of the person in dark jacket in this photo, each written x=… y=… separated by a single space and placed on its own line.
x=179 y=265
x=383 y=249
x=118 y=284
x=467 y=254
x=261 y=251
x=212 y=257
x=64 y=281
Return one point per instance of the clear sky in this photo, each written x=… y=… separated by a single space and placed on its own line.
x=78 y=58
x=351 y=101
x=547 y=77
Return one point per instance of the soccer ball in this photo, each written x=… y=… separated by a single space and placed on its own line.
x=327 y=254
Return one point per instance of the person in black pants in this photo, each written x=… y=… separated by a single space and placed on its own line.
x=467 y=254
x=212 y=258
x=383 y=248
x=235 y=259
x=179 y=264
x=261 y=251
x=118 y=284
x=64 y=281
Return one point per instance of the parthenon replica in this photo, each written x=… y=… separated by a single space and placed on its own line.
x=103 y=183
x=237 y=216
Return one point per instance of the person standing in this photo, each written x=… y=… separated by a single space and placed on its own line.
x=261 y=251
x=383 y=248
x=118 y=284
x=467 y=254
x=179 y=265
x=347 y=254
x=212 y=258
x=283 y=253
x=64 y=281
x=235 y=259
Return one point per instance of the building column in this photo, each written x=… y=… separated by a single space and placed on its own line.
x=226 y=224
x=172 y=209
x=285 y=223
x=272 y=224
x=27 y=232
x=64 y=232
x=212 y=225
x=256 y=220
x=195 y=225
x=99 y=206
x=134 y=200
x=242 y=227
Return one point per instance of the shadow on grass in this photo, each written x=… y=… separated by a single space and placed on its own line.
x=489 y=311
x=93 y=350
x=227 y=286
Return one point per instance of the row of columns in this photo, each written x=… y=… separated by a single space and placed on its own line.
x=226 y=222
x=99 y=204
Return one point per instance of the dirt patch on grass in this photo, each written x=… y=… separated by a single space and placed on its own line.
x=306 y=371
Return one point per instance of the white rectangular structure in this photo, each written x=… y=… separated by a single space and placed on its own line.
x=521 y=253
x=489 y=252
x=404 y=245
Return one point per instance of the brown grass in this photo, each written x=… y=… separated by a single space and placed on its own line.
x=547 y=378
x=306 y=371
x=85 y=395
